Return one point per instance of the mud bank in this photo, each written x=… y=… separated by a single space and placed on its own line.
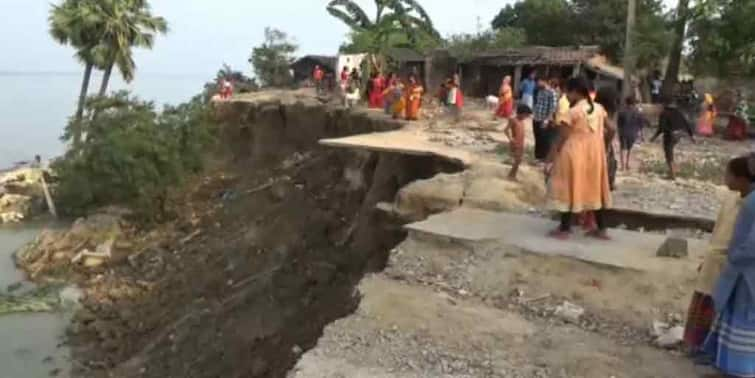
x=266 y=251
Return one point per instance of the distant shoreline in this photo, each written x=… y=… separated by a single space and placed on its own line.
x=73 y=73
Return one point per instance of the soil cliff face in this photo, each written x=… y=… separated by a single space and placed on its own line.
x=267 y=251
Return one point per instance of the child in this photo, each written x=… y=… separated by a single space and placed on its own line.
x=515 y=133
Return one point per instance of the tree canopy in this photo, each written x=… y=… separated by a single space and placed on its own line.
x=465 y=45
x=397 y=23
x=589 y=22
x=722 y=38
x=271 y=60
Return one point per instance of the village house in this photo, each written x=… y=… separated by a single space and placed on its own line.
x=304 y=67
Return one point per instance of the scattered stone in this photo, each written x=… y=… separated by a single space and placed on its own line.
x=674 y=247
x=569 y=312
x=70 y=297
x=671 y=338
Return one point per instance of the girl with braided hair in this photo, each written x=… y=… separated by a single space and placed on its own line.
x=577 y=166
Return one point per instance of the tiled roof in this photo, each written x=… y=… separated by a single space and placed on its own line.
x=536 y=55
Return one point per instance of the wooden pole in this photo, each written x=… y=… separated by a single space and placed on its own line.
x=48 y=197
x=629 y=59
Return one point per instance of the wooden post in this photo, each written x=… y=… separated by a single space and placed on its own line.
x=48 y=197
x=517 y=78
x=628 y=84
x=577 y=70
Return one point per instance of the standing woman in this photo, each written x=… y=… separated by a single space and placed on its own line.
x=389 y=92
x=707 y=117
x=505 y=99
x=732 y=336
x=701 y=310
x=413 y=99
x=377 y=86
x=578 y=170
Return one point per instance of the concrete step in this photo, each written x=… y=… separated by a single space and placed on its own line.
x=627 y=250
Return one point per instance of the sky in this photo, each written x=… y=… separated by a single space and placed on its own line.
x=207 y=33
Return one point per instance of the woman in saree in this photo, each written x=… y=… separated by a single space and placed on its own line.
x=707 y=117
x=398 y=107
x=377 y=86
x=414 y=93
x=701 y=310
x=731 y=342
x=505 y=99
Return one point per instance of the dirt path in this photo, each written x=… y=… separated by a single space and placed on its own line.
x=441 y=310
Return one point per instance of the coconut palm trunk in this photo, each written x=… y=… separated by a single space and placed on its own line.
x=106 y=79
x=82 y=102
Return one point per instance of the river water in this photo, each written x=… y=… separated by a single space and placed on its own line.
x=28 y=342
x=35 y=107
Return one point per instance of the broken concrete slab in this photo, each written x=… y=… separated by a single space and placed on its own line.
x=629 y=250
x=404 y=141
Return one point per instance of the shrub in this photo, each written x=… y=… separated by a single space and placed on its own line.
x=132 y=155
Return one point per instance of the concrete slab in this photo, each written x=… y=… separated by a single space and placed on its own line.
x=410 y=142
x=628 y=249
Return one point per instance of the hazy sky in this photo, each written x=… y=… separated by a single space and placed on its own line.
x=206 y=33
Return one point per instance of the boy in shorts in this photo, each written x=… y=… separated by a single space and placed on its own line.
x=515 y=133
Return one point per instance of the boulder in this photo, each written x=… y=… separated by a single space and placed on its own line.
x=674 y=247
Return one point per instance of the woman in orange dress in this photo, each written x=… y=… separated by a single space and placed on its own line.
x=707 y=117
x=578 y=174
x=413 y=99
x=505 y=99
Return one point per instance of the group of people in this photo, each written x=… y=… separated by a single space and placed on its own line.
x=399 y=98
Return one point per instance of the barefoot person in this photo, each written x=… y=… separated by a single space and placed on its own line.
x=732 y=337
x=670 y=124
x=578 y=173
x=630 y=124
x=515 y=133
x=701 y=310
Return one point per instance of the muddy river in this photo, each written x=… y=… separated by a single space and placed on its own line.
x=29 y=343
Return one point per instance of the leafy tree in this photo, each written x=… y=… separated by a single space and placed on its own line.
x=465 y=45
x=722 y=38
x=124 y=24
x=397 y=23
x=71 y=24
x=589 y=22
x=242 y=83
x=272 y=59
x=545 y=22
x=133 y=155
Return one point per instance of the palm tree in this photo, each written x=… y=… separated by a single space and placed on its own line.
x=73 y=23
x=392 y=16
x=125 y=24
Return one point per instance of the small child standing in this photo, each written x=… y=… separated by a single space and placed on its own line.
x=515 y=133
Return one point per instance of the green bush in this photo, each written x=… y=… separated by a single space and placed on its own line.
x=132 y=155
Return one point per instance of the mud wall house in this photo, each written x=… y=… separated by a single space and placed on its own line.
x=304 y=67
x=407 y=62
x=482 y=73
